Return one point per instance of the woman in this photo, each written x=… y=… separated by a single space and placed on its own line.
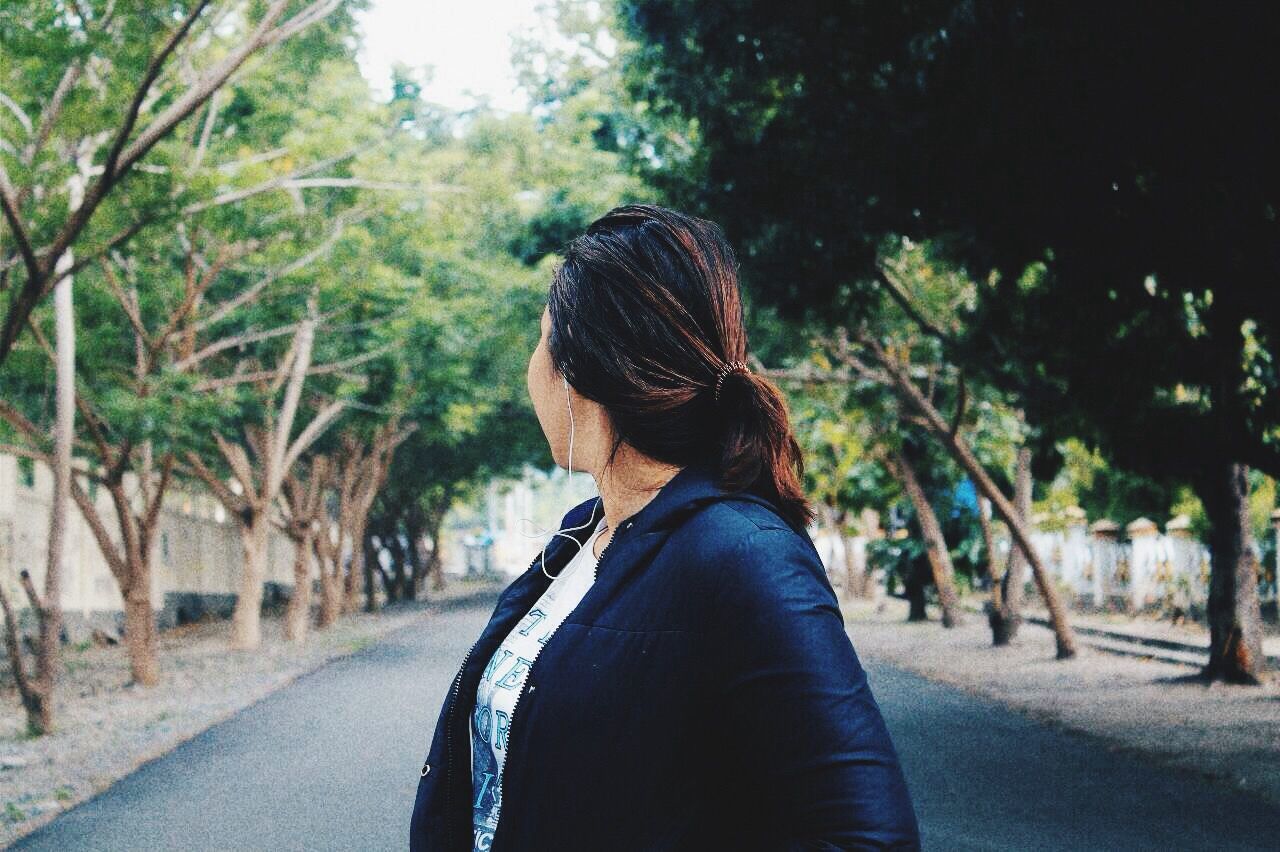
x=672 y=672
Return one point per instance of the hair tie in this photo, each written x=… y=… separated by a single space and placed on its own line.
x=731 y=367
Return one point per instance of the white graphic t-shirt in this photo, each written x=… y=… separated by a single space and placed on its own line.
x=504 y=680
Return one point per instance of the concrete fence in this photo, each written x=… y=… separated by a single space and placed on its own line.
x=195 y=564
x=1099 y=569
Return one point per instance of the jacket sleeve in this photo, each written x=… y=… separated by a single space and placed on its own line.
x=794 y=697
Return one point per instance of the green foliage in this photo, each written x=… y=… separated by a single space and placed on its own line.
x=1075 y=169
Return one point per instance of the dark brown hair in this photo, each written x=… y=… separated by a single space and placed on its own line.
x=645 y=317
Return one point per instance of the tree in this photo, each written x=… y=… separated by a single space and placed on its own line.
x=117 y=123
x=108 y=89
x=868 y=427
x=899 y=364
x=1106 y=176
x=526 y=185
x=259 y=463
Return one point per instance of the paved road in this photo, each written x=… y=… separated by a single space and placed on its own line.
x=331 y=763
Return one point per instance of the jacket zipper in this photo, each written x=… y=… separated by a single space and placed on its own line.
x=449 y=779
x=453 y=700
x=448 y=738
x=529 y=676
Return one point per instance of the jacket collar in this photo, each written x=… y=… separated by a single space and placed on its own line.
x=690 y=489
x=636 y=538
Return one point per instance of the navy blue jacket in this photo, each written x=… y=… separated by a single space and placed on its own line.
x=703 y=695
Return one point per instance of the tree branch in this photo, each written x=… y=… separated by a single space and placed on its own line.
x=230 y=343
x=314 y=430
x=899 y=295
x=225 y=308
x=233 y=502
x=12 y=214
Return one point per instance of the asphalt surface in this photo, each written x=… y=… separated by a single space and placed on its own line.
x=331 y=762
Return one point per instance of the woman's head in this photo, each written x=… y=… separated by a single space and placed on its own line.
x=644 y=317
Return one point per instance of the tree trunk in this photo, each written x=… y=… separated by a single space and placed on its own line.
x=829 y=520
x=355 y=571
x=435 y=565
x=246 y=619
x=297 y=614
x=935 y=543
x=995 y=577
x=48 y=656
x=869 y=525
x=139 y=640
x=1235 y=617
x=140 y=623
x=854 y=569
x=330 y=583
x=989 y=542
x=371 y=565
x=36 y=700
x=28 y=690
x=401 y=588
x=1005 y=620
x=413 y=534
x=913 y=587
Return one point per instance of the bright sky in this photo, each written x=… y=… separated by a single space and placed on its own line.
x=467 y=41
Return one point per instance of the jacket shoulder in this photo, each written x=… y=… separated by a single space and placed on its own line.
x=713 y=533
x=741 y=542
x=739 y=515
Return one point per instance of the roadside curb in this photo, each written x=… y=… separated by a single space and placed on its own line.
x=480 y=596
x=1131 y=643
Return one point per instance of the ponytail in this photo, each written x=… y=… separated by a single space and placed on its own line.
x=758 y=450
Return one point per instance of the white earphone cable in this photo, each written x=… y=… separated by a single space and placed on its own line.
x=564 y=532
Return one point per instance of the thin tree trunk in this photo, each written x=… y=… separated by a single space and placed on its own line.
x=995 y=577
x=1235 y=616
x=413 y=553
x=935 y=543
x=49 y=649
x=989 y=542
x=400 y=589
x=27 y=690
x=853 y=570
x=140 y=625
x=298 y=612
x=913 y=587
x=330 y=582
x=435 y=566
x=371 y=565
x=827 y=518
x=246 y=619
x=355 y=571
x=1005 y=620
x=305 y=503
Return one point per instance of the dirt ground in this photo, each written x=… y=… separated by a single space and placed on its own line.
x=1226 y=732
